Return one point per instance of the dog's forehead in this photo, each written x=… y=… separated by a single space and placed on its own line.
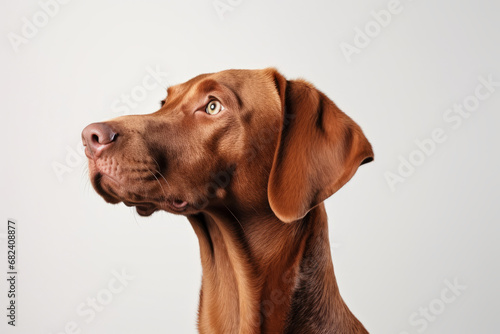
x=237 y=89
x=204 y=83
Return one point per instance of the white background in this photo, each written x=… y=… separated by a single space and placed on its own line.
x=393 y=250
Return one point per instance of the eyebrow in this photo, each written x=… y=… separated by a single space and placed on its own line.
x=207 y=86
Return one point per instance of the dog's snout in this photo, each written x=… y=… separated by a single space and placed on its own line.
x=97 y=137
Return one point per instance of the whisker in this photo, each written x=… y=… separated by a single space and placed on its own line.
x=159 y=172
x=163 y=190
x=85 y=179
x=235 y=218
x=134 y=214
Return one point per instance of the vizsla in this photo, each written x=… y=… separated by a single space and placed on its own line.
x=248 y=157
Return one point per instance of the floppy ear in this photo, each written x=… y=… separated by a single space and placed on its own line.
x=319 y=149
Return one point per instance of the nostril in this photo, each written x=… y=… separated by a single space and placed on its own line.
x=97 y=136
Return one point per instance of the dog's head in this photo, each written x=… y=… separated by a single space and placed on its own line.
x=245 y=138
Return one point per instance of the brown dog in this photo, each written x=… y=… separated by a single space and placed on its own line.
x=248 y=157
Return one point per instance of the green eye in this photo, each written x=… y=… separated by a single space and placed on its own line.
x=213 y=107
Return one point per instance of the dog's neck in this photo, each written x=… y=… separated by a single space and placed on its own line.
x=263 y=276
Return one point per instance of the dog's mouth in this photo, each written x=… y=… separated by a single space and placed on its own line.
x=106 y=186
x=104 y=189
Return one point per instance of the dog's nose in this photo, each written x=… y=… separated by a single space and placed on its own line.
x=96 y=137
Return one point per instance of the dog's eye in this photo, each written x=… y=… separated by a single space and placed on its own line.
x=213 y=107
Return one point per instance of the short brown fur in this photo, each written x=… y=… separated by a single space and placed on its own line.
x=251 y=180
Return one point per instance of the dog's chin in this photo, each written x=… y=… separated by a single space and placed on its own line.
x=145 y=210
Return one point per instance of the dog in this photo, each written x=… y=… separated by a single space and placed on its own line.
x=249 y=158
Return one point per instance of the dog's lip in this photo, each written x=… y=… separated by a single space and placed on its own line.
x=109 y=195
x=145 y=208
x=130 y=203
